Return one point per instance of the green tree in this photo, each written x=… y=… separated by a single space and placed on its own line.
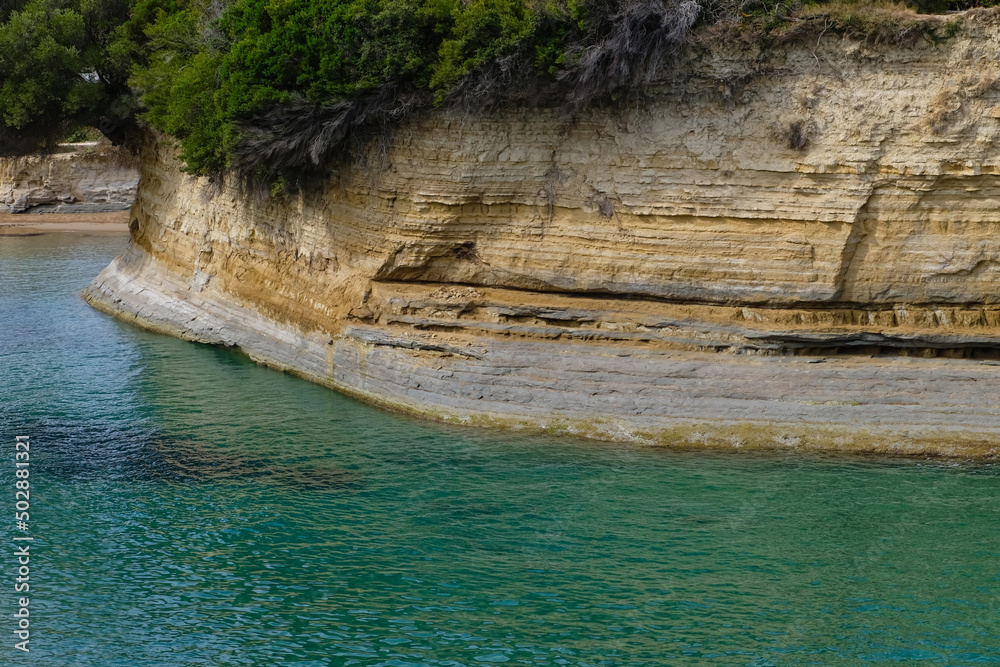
x=58 y=70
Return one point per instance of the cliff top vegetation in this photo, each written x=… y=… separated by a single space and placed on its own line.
x=272 y=90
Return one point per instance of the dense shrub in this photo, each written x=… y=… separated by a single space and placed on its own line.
x=286 y=84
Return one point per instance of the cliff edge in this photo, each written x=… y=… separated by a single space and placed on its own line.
x=791 y=247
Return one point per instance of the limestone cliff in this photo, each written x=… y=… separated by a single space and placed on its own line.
x=671 y=271
x=81 y=179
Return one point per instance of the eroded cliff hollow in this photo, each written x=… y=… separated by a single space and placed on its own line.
x=797 y=247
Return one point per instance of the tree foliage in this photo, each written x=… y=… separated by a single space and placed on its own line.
x=282 y=85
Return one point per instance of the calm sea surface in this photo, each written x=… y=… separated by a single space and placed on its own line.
x=191 y=508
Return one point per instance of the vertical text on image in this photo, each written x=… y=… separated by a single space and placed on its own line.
x=22 y=548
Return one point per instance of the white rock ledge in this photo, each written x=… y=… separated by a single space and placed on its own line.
x=901 y=405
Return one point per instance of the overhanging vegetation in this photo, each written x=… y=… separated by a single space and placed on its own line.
x=275 y=90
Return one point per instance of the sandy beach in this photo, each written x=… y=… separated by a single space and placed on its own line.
x=26 y=224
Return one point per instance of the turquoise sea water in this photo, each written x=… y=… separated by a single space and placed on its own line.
x=191 y=508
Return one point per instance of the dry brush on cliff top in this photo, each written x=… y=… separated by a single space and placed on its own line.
x=273 y=92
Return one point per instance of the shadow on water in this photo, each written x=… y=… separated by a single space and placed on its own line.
x=95 y=451
x=191 y=461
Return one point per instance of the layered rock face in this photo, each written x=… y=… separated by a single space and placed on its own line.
x=81 y=181
x=794 y=248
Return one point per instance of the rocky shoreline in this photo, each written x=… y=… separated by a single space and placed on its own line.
x=81 y=178
x=678 y=273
